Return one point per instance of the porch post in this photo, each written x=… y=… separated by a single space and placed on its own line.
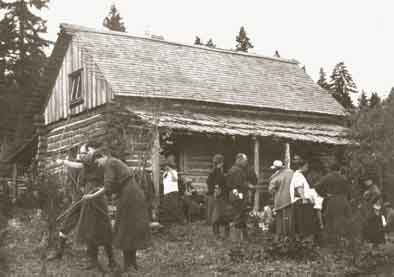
x=14 y=180
x=287 y=155
x=256 y=153
x=156 y=172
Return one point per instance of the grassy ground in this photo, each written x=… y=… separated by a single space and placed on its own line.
x=187 y=250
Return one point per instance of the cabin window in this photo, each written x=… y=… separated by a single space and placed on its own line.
x=76 y=88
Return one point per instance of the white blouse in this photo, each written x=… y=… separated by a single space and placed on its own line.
x=298 y=181
x=170 y=181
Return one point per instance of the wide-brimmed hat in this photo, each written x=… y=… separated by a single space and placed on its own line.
x=277 y=164
x=377 y=206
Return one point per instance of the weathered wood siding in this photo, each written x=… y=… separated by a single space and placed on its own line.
x=95 y=89
x=62 y=137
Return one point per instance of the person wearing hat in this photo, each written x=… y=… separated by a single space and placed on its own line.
x=279 y=185
x=372 y=202
x=131 y=230
x=90 y=219
x=336 y=191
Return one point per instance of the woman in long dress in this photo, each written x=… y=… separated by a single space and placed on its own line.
x=131 y=231
x=304 y=214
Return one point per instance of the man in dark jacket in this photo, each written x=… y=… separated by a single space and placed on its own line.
x=237 y=184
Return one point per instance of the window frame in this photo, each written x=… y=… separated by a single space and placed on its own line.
x=75 y=100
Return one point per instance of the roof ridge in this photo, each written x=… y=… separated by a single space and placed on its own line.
x=78 y=28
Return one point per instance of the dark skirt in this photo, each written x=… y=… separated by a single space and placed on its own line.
x=171 y=209
x=94 y=227
x=210 y=200
x=222 y=211
x=305 y=219
x=337 y=216
x=373 y=230
x=284 y=221
x=131 y=230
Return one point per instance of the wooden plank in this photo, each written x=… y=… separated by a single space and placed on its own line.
x=156 y=170
x=93 y=88
x=287 y=155
x=256 y=154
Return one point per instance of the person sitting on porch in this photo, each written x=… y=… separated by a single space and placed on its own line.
x=279 y=185
x=171 y=209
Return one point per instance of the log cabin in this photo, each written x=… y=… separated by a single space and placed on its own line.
x=147 y=94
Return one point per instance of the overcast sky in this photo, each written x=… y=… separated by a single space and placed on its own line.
x=317 y=33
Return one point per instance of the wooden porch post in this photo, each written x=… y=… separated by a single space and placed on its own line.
x=156 y=172
x=287 y=155
x=256 y=144
x=14 y=180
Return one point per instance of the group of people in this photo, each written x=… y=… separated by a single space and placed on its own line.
x=302 y=206
x=100 y=175
x=228 y=199
x=304 y=209
x=230 y=195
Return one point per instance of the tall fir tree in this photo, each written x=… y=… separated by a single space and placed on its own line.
x=22 y=56
x=374 y=100
x=322 y=82
x=114 y=21
x=341 y=85
x=243 y=41
x=210 y=44
x=363 y=101
x=390 y=97
x=197 y=41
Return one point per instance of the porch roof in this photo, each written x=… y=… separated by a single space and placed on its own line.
x=239 y=125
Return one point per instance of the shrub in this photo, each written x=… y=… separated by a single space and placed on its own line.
x=292 y=248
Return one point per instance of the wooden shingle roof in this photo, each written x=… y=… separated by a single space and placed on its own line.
x=146 y=67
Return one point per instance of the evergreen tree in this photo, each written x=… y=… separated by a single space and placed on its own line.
x=243 y=41
x=22 y=54
x=390 y=97
x=341 y=84
x=322 y=82
x=374 y=100
x=363 y=101
x=276 y=54
x=197 y=41
x=113 y=21
x=210 y=44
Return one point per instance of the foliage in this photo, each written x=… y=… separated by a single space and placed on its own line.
x=22 y=56
x=363 y=101
x=341 y=85
x=243 y=41
x=52 y=200
x=114 y=21
x=197 y=41
x=374 y=100
x=210 y=44
x=373 y=129
x=292 y=248
x=322 y=82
